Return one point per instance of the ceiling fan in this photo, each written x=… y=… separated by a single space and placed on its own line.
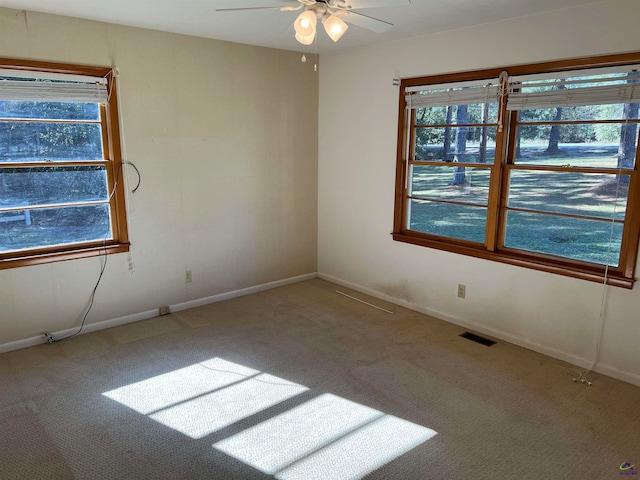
x=333 y=14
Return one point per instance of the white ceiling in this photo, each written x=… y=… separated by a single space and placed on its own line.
x=273 y=28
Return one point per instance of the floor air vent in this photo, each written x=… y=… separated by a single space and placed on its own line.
x=478 y=339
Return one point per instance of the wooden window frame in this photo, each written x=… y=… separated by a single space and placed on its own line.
x=621 y=276
x=112 y=159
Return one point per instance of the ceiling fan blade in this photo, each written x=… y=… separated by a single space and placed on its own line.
x=244 y=8
x=358 y=4
x=263 y=5
x=364 y=21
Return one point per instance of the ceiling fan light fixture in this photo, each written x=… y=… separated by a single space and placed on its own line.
x=305 y=24
x=334 y=26
x=305 y=40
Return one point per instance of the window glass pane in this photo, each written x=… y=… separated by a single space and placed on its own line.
x=452 y=114
x=448 y=220
x=49 y=110
x=39 y=141
x=47 y=185
x=469 y=185
x=601 y=145
x=578 y=239
x=588 y=194
x=54 y=226
x=462 y=144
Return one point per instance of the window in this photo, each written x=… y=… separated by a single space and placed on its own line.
x=60 y=168
x=531 y=165
x=60 y=163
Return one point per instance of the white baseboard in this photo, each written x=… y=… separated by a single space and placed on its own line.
x=136 y=317
x=19 y=344
x=89 y=327
x=239 y=293
x=536 y=347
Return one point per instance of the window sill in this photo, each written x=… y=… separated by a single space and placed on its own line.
x=61 y=256
x=566 y=269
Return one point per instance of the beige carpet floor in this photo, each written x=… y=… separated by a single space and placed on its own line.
x=301 y=382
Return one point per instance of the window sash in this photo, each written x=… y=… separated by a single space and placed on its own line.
x=79 y=84
x=494 y=248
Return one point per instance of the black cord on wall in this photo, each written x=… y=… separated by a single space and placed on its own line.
x=49 y=337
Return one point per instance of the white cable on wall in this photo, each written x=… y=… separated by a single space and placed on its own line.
x=130 y=202
x=605 y=288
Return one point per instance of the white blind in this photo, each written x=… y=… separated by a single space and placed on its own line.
x=607 y=89
x=452 y=94
x=51 y=88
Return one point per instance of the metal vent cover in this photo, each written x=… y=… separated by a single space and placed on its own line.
x=478 y=339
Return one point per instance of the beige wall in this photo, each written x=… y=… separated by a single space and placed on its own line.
x=358 y=105
x=228 y=163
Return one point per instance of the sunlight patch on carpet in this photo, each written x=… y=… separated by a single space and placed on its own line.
x=360 y=452
x=278 y=442
x=209 y=413
x=325 y=437
x=179 y=385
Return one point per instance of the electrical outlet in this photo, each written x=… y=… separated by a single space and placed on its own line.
x=166 y=310
x=187 y=276
x=462 y=290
